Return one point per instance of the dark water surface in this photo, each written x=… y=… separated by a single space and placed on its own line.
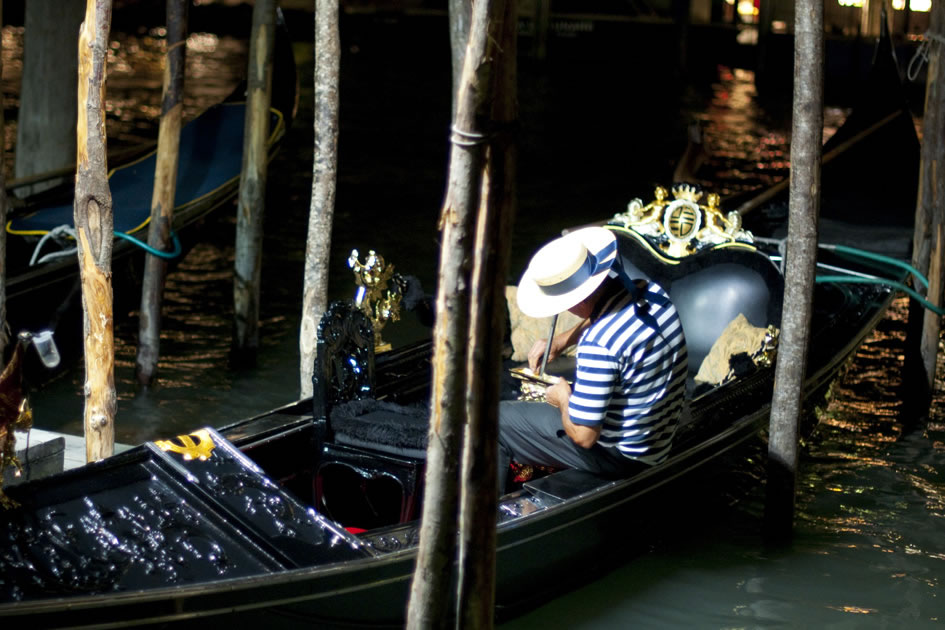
x=869 y=550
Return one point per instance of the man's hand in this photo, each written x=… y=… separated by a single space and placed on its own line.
x=559 y=394
x=537 y=352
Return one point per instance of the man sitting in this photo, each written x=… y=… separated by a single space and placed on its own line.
x=630 y=382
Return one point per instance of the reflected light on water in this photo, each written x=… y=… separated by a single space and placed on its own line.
x=134 y=65
x=748 y=148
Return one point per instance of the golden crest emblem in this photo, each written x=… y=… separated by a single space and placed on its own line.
x=682 y=219
x=685 y=225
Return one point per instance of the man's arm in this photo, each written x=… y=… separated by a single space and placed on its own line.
x=584 y=436
x=559 y=343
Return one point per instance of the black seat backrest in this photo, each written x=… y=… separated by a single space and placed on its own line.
x=344 y=358
x=710 y=289
x=344 y=405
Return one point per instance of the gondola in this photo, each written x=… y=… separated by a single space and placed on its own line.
x=308 y=514
x=42 y=274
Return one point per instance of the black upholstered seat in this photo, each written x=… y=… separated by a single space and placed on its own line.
x=710 y=289
x=371 y=452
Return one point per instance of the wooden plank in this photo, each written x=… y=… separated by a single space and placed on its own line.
x=38 y=460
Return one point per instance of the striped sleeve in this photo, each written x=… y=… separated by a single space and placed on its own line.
x=598 y=375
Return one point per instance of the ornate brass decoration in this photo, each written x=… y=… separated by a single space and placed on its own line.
x=23 y=422
x=15 y=415
x=533 y=385
x=764 y=355
x=373 y=297
x=682 y=226
x=201 y=449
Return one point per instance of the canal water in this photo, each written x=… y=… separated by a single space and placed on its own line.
x=596 y=131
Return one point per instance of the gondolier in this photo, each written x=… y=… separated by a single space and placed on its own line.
x=630 y=381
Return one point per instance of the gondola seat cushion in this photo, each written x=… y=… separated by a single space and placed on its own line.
x=739 y=337
x=382 y=426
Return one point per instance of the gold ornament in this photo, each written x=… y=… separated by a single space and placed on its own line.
x=373 y=297
x=190 y=449
x=682 y=226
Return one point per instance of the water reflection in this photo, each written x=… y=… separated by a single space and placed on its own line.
x=214 y=66
x=748 y=146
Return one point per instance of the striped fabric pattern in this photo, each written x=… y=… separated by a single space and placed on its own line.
x=631 y=374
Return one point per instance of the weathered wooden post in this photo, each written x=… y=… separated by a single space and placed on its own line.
x=801 y=259
x=162 y=197
x=4 y=339
x=324 y=180
x=46 y=122
x=431 y=592
x=252 y=194
x=94 y=223
x=459 y=13
x=928 y=251
x=478 y=497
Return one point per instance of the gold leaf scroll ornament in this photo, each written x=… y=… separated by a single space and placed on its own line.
x=188 y=448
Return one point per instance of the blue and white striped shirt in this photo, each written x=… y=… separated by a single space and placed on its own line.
x=631 y=373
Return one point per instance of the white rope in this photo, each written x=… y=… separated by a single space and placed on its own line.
x=58 y=234
x=922 y=54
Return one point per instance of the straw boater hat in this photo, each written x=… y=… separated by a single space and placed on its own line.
x=567 y=270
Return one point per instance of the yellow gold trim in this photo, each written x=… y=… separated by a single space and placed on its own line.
x=201 y=449
x=643 y=241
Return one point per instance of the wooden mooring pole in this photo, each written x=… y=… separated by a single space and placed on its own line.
x=162 y=197
x=4 y=331
x=92 y=213
x=459 y=15
x=928 y=251
x=478 y=497
x=324 y=182
x=252 y=194
x=431 y=593
x=801 y=259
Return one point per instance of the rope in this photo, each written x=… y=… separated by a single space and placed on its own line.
x=59 y=232
x=890 y=283
x=843 y=249
x=463 y=138
x=154 y=252
x=922 y=54
x=864 y=278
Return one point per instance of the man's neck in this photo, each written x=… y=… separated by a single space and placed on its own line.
x=602 y=296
